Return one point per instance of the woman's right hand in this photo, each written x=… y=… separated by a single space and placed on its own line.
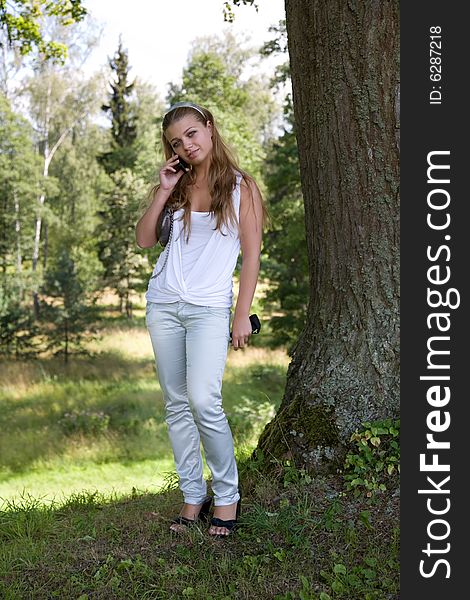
x=169 y=176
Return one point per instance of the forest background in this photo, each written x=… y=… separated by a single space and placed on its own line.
x=77 y=160
x=84 y=452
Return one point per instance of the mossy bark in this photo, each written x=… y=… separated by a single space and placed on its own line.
x=345 y=366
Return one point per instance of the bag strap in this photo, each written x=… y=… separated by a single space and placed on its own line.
x=167 y=248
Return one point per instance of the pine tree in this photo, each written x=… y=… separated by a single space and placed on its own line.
x=123 y=153
x=65 y=308
x=20 y=179
x=118 y=251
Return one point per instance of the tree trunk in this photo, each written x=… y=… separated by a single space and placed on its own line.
x=345 y=366
x=48 y=155
x=19 y=258
x=128 y=299
x=42 y=197
x=66 y=335
x=45 y=246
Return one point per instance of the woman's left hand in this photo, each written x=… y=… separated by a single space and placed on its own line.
x=241 y=331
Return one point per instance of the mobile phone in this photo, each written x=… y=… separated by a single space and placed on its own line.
x=255 y=324
x=182 y=165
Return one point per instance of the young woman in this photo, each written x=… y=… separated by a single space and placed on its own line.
x=218 y=211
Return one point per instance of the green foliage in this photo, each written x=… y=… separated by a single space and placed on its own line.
x=122 y=261
x=304 y=593
x=359 y=581
x=124 y=266
x=148 y=108
x=278 y=45
x=285 y=243
x=72 y=209
x=84 y=421
x=20 y=181
x=243 y=109
x=333 y=516
x=375 y=465
x=293 y=475
x=207 y=78
x=228 y=13
x=60 y=103
x=65 y=314
x=18 y=330
x=113 y=571
x=21 y=24
x=123 y=118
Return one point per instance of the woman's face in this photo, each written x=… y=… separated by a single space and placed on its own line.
x=190 y=139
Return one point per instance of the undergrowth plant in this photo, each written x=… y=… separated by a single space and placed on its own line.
x=375 y=464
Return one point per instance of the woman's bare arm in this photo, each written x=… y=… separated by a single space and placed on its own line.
x=251 y=233
x=145 y=233
x=145 y=230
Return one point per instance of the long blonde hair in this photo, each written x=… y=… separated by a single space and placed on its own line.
x=221 y=178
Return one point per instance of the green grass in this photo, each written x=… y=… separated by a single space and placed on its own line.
x=299 y=542
x=98 y=423
x=88 y=486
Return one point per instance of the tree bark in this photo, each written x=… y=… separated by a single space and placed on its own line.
x=42 y=197
x=345 y=366
x=19 y=258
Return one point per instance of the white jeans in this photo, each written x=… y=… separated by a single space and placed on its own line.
x=190 y=344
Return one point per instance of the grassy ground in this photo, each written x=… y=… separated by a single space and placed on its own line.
x=88 y=487
x=98 y=422
x=302 y=541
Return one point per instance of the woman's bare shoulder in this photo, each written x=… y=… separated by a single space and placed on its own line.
x=249 y=189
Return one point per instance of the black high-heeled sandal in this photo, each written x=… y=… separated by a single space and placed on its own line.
x=229 y=524
x=202 y=516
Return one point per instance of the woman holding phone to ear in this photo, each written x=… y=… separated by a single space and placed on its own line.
x=218 y=211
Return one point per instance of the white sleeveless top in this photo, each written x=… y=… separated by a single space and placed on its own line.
x=199 y=271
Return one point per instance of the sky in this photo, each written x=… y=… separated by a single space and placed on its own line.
x=158 y=33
